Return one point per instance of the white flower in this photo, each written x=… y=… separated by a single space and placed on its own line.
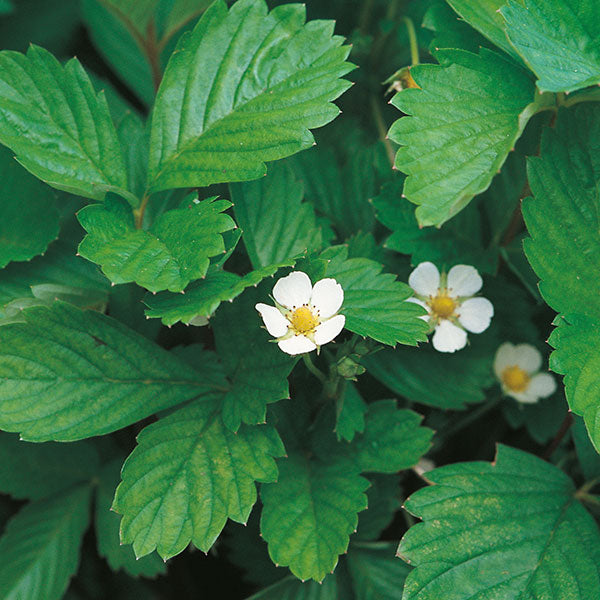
x=517 y=369
x=305 y=317
x=449 y=301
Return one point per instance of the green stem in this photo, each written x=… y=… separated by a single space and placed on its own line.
x=586 y=96
x=140 y=210
x=382 y=130
x=589 y=498
x=365 y=15
x=310 y=365
x=412 y=38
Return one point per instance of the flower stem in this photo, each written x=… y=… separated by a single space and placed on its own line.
x=412 y=39
x=555 y=443
x=310 y=365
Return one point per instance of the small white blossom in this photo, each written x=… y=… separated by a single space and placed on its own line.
x=304 y=317
x=452 y=309
x=517 y=368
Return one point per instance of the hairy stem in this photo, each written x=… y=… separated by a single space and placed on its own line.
x=310 y=365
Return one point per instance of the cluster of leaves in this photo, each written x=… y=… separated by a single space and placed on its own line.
x=168 y=189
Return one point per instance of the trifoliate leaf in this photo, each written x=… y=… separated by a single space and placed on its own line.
x=59 y=128
x=202 y=298
x=257 y=369
x=28 y=215
x=511 y=529
x=292 y=588
x=309 y=514
x=383 y=500
x=188 y=475
x=174 y=251
x=40 y=546
x=242 y=88
x=558 y=39
x=35 y=471
x=350 y=414
x=107 y=523
x=276 y=224
x=423 y=375
x=451 y=155
x=67 y=374
x=374 y=302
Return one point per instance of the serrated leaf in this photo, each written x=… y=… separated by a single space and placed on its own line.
x=257 y=369
x=374 y=302
x=451 y=155
x=242 y=88
x=107 y=530
x=59 y=128
x=276 y=224
x=188 y=475
x=34 y=471
x=28 y=215
x=383 y=502
x=67 y=374
x=40 y=546
x=309 y=514
x=588 y=457
x=558 y=39
x=291 y=588
x=174 y=251
x=501 y=529
x=202 y=298
x=350 y=414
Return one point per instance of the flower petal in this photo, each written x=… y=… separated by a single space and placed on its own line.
x=528 y=357
x=298 y=344
x=542 y=385
x=425 y=279
x=276 y=324
x=526 y=397
x=420 y=303
x=293 y=290
x=327 y=297
x=505 y=357
x=475 y=314
x=448 y=337
x=329 y=329
x=463 y=280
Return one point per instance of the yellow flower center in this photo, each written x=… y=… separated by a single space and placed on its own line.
x=515 y=379
x=303 y=320
x=442 y=306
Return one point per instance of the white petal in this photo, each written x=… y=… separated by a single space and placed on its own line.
x=528 y=357
x=296 y=345
x=329 y=329
x=475 y=314
x=425 y=279
x=505 y=357
x=293 y=290
x=448 y=337
x=327 y=297
x=542 y=385
x=526 y=397
x=420 y=303
x=463 y=280
x=276 y=324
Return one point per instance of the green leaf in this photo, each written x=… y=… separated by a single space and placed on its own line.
x=374 y=302
x=182 y=12
x=423 y=375
x=59 y=128
x=242 y=88
x=257 y=369
x=276 y=224
x=291 y=588
x=6 y=7
x=451 y=155
x=542 y=419
x=511 y=529
x=383 y=500
x=174 y=251
x=40 y=546
x=558 y=39
x=188 y=475
x=350 y=414
x=35 y=471
x=28 y=215
x=484 y=15
x=107 y=530
x=67 y=374
x=588 y=457
x=136 y=14
x=309 y=514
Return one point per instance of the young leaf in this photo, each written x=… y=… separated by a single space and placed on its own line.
x=276 y=224
x=511 y=529
x=173 y=252
x=40 y=547
x=188 y=475
x=451 y=155
x=28 y=215
x=67 y=374
x=558 y=39
x=310 y=512
x=374 y=302
x=59 y=128
x=242 y=88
